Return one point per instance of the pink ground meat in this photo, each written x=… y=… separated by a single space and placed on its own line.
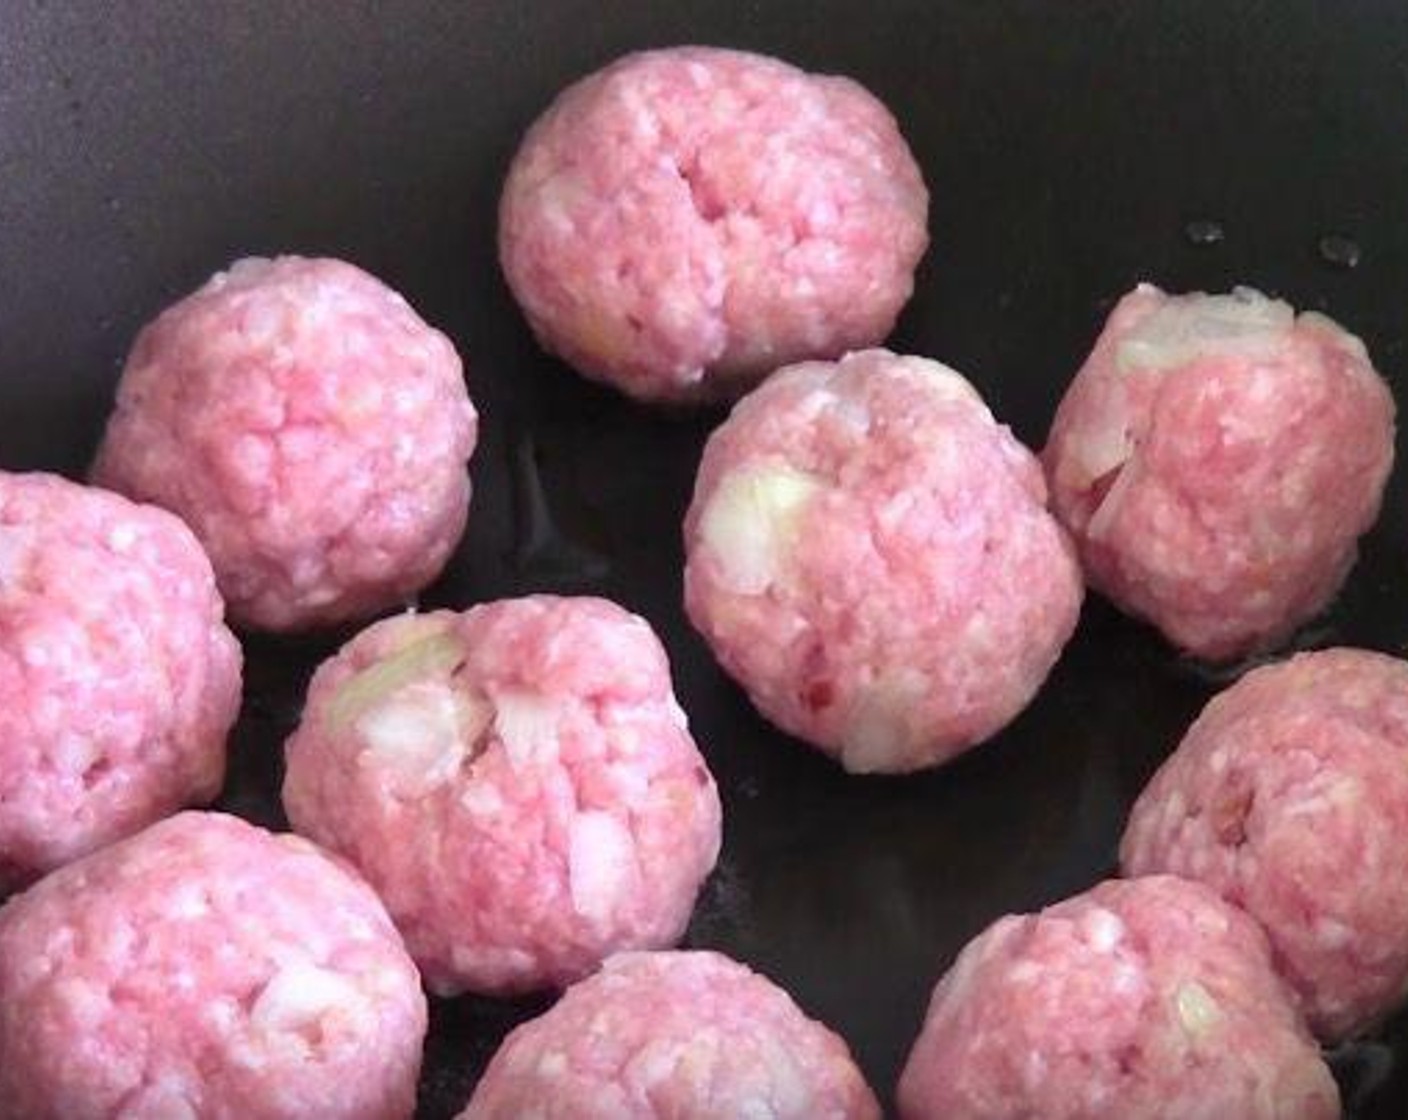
x=310 y=428
x=1138 y=999
x=869 y=554
x=1217 y=459
x=206 y=970
x=118 y=678
x=517 y=782
x=1289 y=797
x=673 y=1036
x=686 y=220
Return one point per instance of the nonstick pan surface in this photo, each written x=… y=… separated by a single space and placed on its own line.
x=1071 y=150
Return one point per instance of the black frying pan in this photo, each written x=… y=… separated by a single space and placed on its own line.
x=1068 y=148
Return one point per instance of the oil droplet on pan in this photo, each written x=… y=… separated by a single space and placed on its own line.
x=1340 y=251
x=1204 y=231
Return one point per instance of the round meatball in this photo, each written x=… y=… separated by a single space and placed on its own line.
x=1144 y=998
x=118 y=678
x=686 y=220
x=1289 y=797
x=683 y=1035
x=310 y=428
x=869 y=554
x=517 y=782
x=1217 y=459
x=206 y=969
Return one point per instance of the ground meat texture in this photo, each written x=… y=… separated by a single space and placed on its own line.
x=206 y=969
x=869 y=554
x=310 y=428
x=517 y=782
x=678 y=1035
x=1289 y=796
x=118 y=678
x=1144 y=998
x=1217 y=459
x=686 y=220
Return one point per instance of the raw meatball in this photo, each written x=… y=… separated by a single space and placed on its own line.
x=870 y=556
x=310 y=428
x=516 y=781
x=206 y=969
x=1217 y=459
x=688 y=1036
x=1289 y=797
x=686 y=220
x=118 y=678
x=1146 y=998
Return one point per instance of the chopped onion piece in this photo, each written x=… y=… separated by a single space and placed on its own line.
x=430 y=656
x=1197 y=1011
x=1187 y=327
x=751 y=523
